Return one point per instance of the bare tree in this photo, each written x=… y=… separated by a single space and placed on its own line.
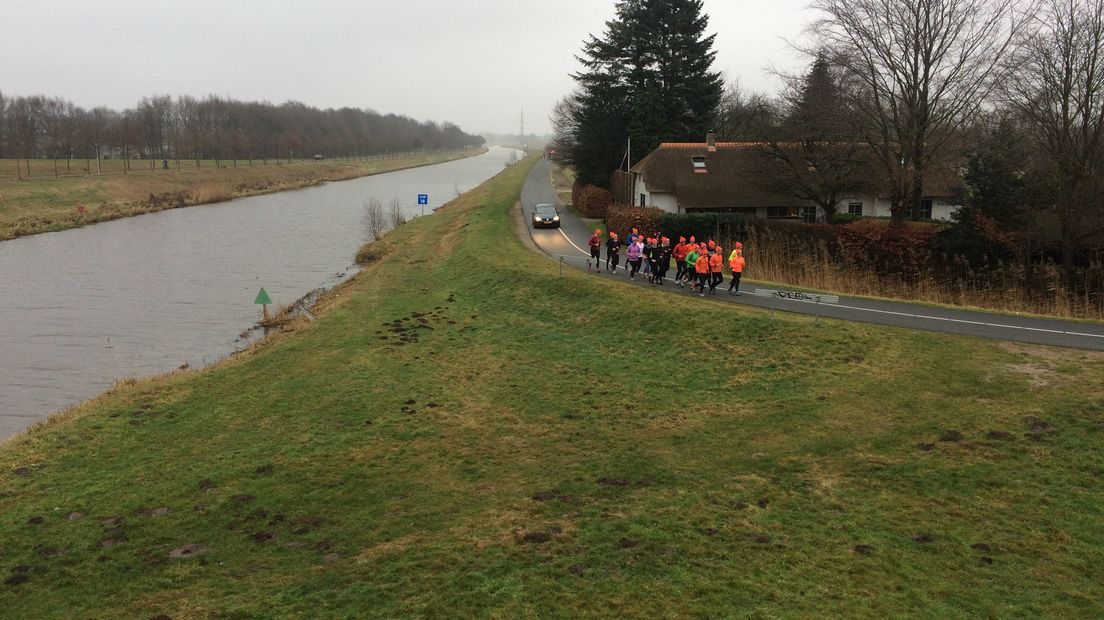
x=24 y=126
x=1058 y=87
x=396 y=213
x=372 y=220
x=3 y=125
x=814 y=154
x=916 y=72
x=744 y=115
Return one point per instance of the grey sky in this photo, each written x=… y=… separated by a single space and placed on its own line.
x=474 y=62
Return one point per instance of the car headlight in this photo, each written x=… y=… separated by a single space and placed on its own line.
x=556 y=219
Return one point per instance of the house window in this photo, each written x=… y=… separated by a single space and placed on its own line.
x=925 y=211
x=782 y=212
x=699 y=164
x=809 y=215
x=854 y=208
x=643 y=200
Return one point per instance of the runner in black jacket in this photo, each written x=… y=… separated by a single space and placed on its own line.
x=613 y=252
x=663 y=260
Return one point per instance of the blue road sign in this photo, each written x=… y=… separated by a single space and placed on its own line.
x=423 y=199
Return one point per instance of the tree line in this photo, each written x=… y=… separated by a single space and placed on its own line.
x=1006 y=96
x=212 y=128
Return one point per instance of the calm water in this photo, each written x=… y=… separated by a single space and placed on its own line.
x=143 y=295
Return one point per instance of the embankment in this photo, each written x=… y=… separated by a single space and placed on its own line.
x=465 y=433
x=43 y=205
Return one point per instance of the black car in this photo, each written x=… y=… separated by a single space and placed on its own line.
x=546 y=215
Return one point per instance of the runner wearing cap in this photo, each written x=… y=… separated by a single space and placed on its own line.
x=634 y=254
x=663 y=260
x=595 y=244
x=701 y=268
x=679 y=254
x=688 y=269
x=613 y=253
x=716 y=269
x=736 y=263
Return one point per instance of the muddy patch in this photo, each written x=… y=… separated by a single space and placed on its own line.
x=187 y=551
x=923 y=539
x=951 y=436
x=1038 y=376
x=863 y=549
x=535 y=538
x=158 y=512
x=544 y=496
x=628 y=543
x=999 y=435
x=925 y=447
x=36 y=520
x=260 y=537
x=243 y=498
x=113 y=541
x=980 y=546
x=17 y=579
x=51 y=552
x=206 y=484
x=613 y=482
x=112 y=523
x=264 y=470
x=577 y=569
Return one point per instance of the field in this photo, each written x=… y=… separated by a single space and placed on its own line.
x=44 y=204
x=466 y=434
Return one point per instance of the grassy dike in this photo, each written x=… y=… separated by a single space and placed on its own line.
x=564 y=447
x=44 y=204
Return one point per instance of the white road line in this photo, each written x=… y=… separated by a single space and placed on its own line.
x=585 y=253
x=909 y=314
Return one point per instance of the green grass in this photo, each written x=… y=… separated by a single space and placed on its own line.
x=679 y=458
x=45 y=204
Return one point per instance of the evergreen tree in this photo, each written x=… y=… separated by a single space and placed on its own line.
x=648 y=77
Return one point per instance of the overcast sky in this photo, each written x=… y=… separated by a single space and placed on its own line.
x=477 y=63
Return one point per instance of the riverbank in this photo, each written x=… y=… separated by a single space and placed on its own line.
x=464 y=432
x=44 y=205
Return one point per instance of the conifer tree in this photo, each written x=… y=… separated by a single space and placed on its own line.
x=647 y=77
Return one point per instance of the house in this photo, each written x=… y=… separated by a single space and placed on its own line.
x=722 y=177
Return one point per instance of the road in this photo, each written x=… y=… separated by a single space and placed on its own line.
x=569 y=245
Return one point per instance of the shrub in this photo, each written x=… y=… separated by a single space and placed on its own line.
x=845 y=218
x=622 y=219
x=591 y=201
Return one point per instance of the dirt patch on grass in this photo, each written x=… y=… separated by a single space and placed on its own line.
x=187 y=551
x=1038 y=376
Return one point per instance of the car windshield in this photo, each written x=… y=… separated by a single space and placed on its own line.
x=546 y=210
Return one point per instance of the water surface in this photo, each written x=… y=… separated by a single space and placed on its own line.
x=144 y=295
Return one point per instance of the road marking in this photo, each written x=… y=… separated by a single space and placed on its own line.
x=585 y=253
x=910 y=314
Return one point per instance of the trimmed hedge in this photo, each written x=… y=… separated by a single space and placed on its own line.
x=591 y=201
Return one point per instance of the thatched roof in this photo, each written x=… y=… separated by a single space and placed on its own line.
x=730 y=177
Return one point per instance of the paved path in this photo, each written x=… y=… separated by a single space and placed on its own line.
x=569 y=244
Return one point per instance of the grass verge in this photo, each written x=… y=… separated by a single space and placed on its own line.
x=43 y=205
x=463 y=433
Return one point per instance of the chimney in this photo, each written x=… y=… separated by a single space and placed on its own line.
x=711 y=141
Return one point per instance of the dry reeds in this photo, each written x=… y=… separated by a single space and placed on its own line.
x=1012 y=287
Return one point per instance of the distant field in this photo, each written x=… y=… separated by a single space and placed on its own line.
x=465 y=433
x=45 y=169
x=45 y=203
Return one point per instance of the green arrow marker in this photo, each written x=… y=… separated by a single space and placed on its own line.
x=262 y=298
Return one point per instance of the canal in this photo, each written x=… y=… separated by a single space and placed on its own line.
x=145 y=295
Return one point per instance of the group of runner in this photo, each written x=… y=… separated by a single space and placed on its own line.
x=699 y=264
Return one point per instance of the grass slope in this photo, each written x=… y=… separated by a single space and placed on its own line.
x=560 y=447
x=41 y=205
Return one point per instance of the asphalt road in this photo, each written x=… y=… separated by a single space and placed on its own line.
x=569 y=245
